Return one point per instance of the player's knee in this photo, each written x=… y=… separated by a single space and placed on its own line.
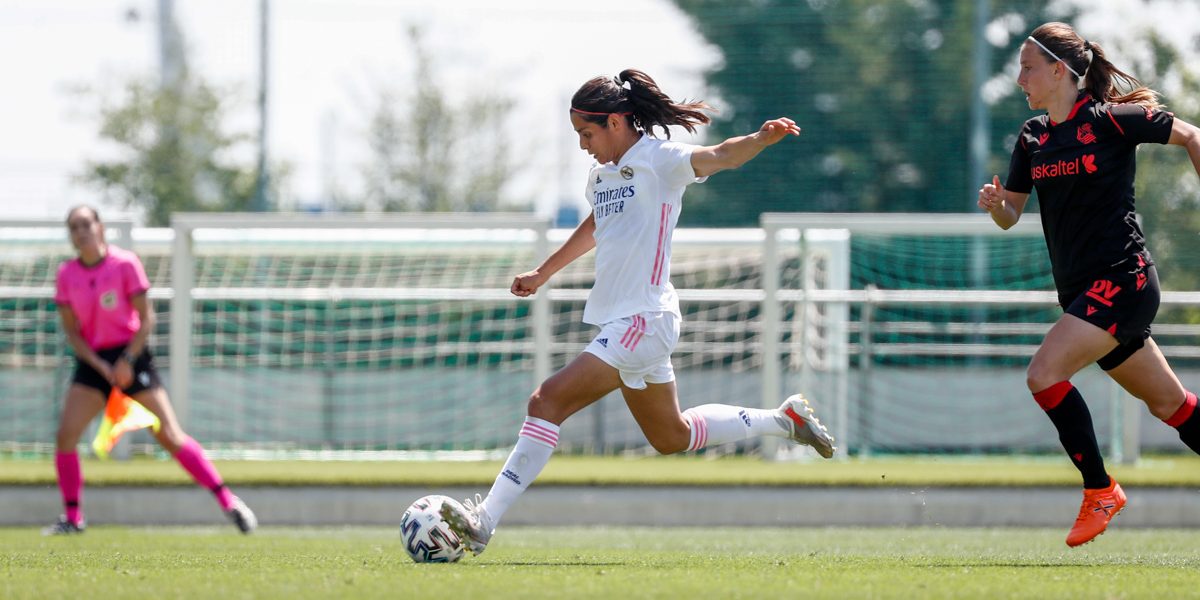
x=171 y=438
x=65 y=440
x=1038 y=378
x=1164 y=407
x=542 y=406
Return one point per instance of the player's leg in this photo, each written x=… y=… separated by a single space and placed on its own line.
x=81 y=405
x=190 y=455
x=1147 y=376
x=585 y=380
x=655 y=407
x=1071 y=344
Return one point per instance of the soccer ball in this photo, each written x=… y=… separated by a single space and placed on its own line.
x=426 y=536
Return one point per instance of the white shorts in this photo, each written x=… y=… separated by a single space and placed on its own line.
x=639 y=347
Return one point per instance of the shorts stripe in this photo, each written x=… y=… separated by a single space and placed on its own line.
x=635 y=333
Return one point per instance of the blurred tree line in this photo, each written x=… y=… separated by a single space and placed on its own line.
x=174 y=152
x=883 y=92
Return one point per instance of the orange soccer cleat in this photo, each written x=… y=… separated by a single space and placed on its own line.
x=1099 y=507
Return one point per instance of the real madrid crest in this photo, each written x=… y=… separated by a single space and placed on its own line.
x=627 y=172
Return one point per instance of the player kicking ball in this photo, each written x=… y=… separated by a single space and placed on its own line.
x=636 y=192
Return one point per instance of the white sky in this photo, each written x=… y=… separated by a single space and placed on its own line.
x=329 y=58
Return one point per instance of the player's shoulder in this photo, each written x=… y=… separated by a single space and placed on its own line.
x=1035 y=125
x=1124 y=110
x=120 y=255
x=68 y=267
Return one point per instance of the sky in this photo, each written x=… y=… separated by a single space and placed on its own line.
x=330 y=58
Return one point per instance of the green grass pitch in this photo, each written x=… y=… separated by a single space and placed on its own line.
x=116 y=562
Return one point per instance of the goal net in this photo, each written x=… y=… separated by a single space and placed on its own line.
x=395 y=336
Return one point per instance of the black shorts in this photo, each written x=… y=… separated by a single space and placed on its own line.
x=1122 y=302
x=145 y=376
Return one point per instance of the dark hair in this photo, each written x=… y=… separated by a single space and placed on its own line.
x=642 y=103
x=1102 y=80
x=87 y=207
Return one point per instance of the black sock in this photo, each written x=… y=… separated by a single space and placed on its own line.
x=1070 y=415
x=1187 y=423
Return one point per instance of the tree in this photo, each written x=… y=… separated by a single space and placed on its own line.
x=1168 y=190
x=882 y=91
x=172 y=152
x=430 y=155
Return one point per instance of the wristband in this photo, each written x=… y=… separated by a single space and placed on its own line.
x=129 y=357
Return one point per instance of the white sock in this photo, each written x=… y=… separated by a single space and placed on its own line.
x=535 y=444
x=714 y=424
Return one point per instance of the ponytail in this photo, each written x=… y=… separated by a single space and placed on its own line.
x=634 y=95
x=1103 y=81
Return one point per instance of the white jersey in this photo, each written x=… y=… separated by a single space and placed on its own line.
x=636 y=204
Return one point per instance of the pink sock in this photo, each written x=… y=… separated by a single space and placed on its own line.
x=70 y=482
x=191 y=457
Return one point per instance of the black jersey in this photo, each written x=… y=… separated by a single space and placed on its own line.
x=1083 y=170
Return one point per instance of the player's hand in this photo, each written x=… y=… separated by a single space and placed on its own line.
x=776 y=129
x=122 y=374
x=106 y=371
x=527 y=284
x=991 y=195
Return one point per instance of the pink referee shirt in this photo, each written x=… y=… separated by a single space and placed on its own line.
x=99 y=295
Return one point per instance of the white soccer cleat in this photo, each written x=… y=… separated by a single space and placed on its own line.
x=242 y=516
x=469 y=523
x=806 y=427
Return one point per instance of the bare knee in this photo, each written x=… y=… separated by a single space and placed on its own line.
x=171 y=439
x=1038 y=378
x=542 y=405
x=1164 y=407
x=64 y=440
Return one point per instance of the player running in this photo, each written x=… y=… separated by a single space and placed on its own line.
x=636 y=191
x=106 y=316
x=1081 y=158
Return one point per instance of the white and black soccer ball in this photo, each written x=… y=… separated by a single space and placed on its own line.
x=426 y=536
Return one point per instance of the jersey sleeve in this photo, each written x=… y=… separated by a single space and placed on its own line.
x=1019 y=179
x=674 y=164
x=134 y=277
x=61 y=297
x=1140 y=124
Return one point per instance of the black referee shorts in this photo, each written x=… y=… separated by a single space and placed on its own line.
x=145 y=376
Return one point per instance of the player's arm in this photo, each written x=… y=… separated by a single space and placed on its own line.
x=737 y=151
x=123 y=368
x=581 y=241
x=70 y=325
x=1005 y=206
x=1187 y=135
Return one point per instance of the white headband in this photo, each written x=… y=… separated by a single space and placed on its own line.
x=1055 y=56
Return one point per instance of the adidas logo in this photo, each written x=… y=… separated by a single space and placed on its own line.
x=603 y=342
